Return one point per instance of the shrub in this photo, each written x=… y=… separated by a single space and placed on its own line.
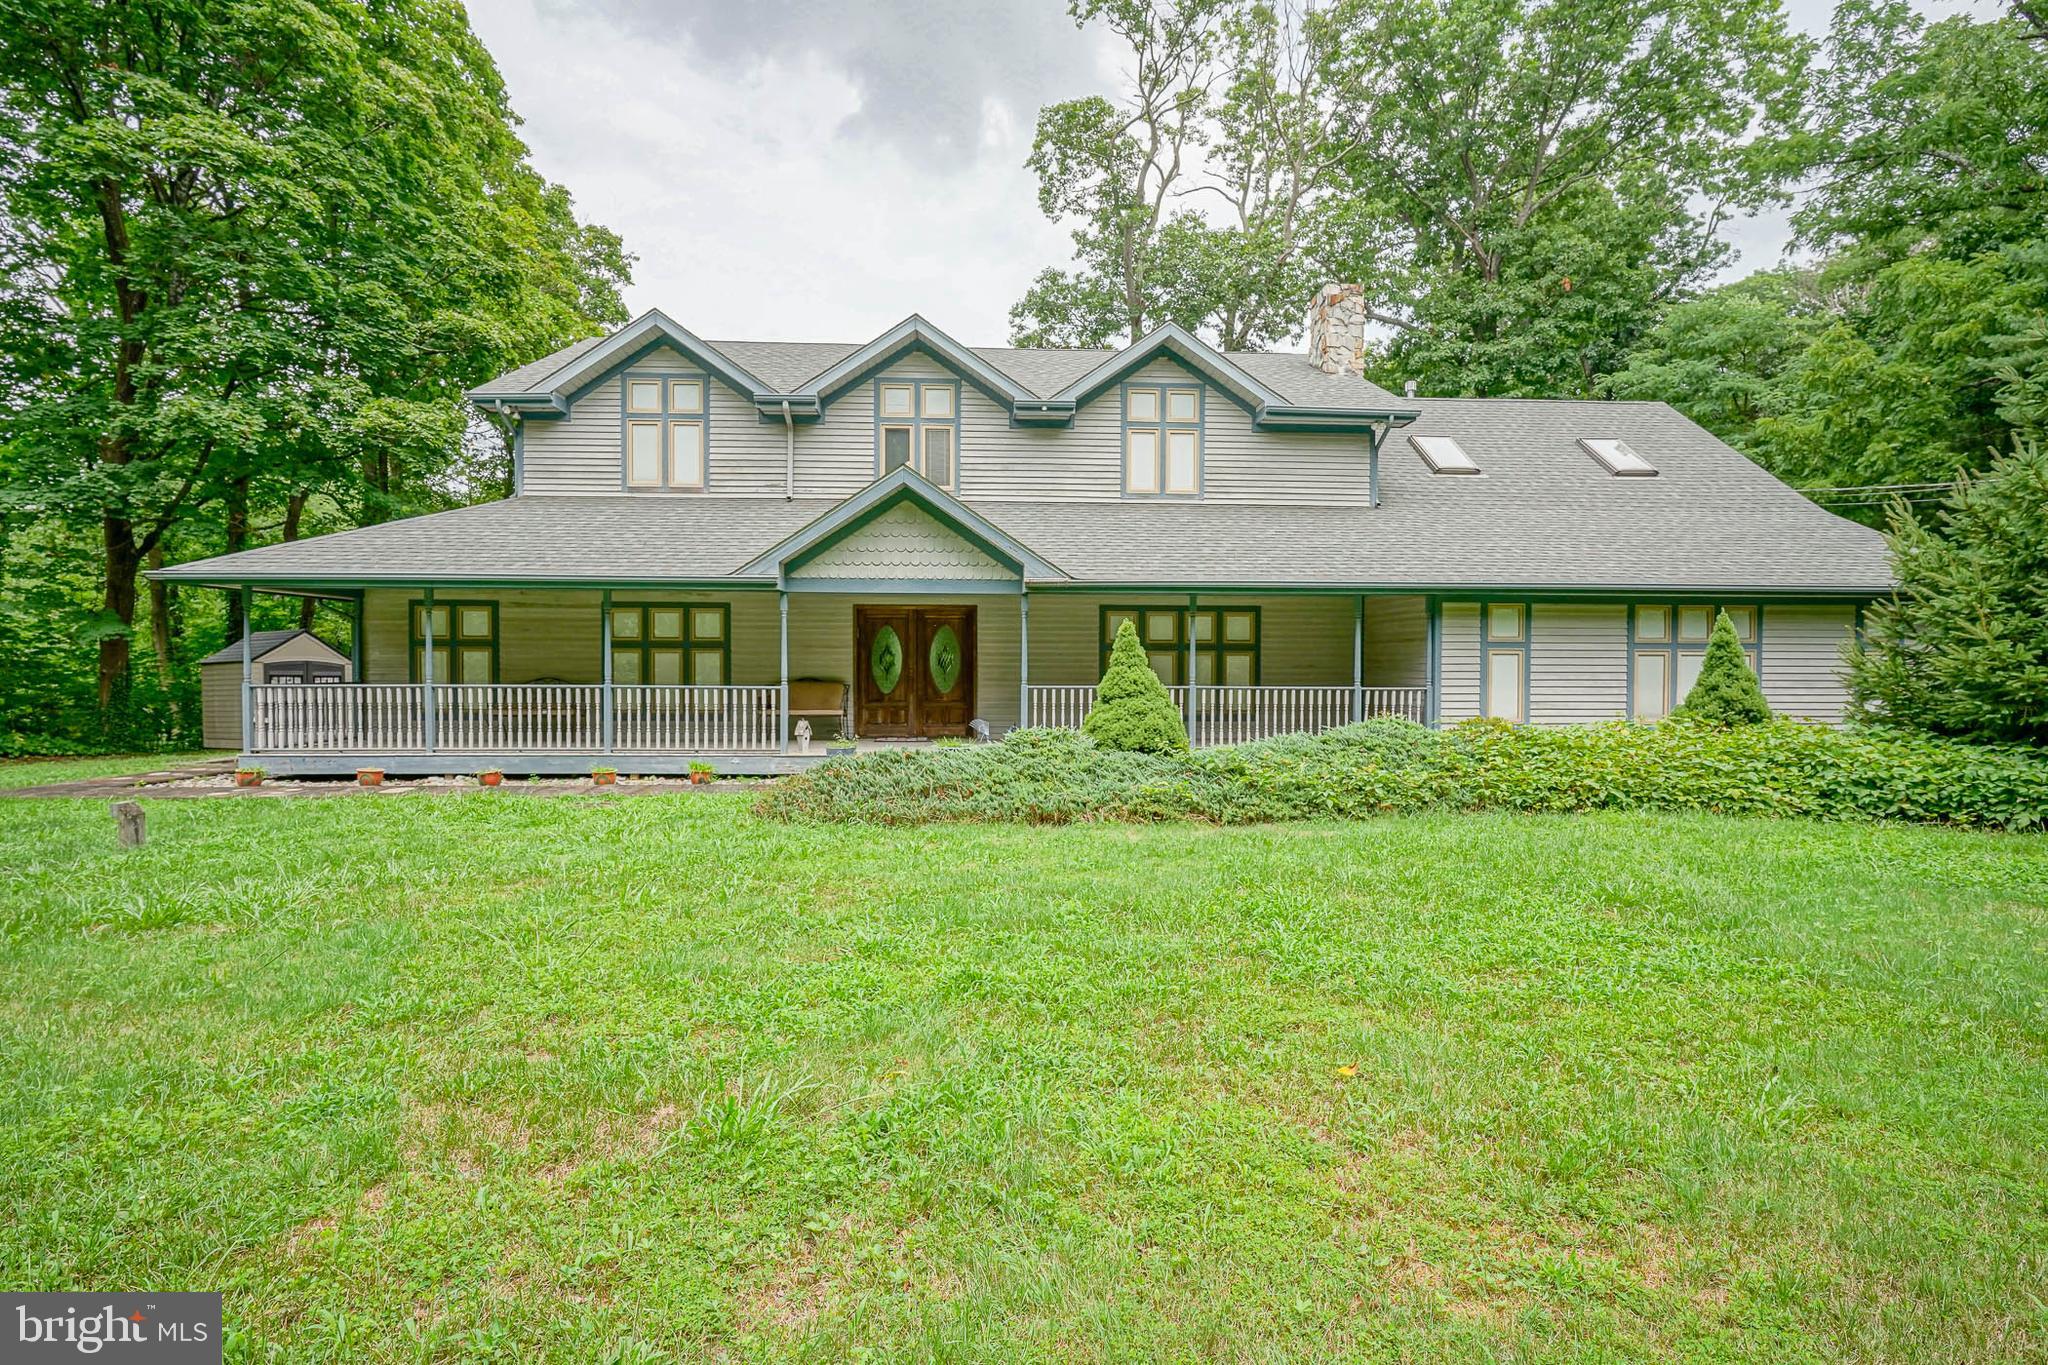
x=1386 y=766
x=1133 y=710
x=1726 y=691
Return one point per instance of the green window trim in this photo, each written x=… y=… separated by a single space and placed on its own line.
x=448 y=611
x=1670 y=649
x=646 y=639
x=1216 y=651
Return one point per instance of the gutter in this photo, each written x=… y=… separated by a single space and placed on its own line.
x=789 y=451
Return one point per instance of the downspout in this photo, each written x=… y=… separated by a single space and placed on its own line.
x=789 y=452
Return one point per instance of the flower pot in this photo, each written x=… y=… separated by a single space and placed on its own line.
x=490 y=779
x=604 y=779
x=699 y=779
x=370 y=777
x=841 y=750
x=245 y=778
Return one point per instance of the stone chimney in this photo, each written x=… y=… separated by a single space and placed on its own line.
x=1336 y=329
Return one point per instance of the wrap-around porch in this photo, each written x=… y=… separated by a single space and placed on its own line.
x=451 y=678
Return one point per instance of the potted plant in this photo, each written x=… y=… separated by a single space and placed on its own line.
x=604 y=777
x=491 y=777
x=700 y=773
x=370 y=777
x=843 y=747
x=249 y=777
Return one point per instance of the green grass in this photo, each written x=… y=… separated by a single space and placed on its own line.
x=472 y=1077
x=16 y=773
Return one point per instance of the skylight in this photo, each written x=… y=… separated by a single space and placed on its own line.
x=1443 y=455
x=1620 y=458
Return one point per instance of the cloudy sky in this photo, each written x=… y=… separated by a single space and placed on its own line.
x=819 y=174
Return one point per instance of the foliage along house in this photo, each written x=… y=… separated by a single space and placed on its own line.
x=954 y=533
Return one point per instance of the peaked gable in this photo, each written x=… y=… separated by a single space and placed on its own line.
x=900 y=488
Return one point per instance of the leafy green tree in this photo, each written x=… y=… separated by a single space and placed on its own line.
x=251 y=254
x=1726 y=691
x=1133 y=710
x=1961 y=648
x=1530 y=182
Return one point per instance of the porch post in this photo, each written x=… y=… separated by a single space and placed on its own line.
x=608 y=724
x=355 y=639
x=248 y=674
x=1023 y=655
x=1358 y=658
x=782 y=709
x=428 y=721
x=1191 y=670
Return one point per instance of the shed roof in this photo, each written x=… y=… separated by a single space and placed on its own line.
x=263 y=642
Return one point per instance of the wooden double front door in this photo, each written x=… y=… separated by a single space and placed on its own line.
x=913 y=671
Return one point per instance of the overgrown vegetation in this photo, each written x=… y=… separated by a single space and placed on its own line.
x=1385 y=766
x=1727 y=691
x=477 y=1078
x=1133 y=711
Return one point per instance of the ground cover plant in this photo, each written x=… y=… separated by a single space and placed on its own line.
x=1386 y=766
x=477 y=1078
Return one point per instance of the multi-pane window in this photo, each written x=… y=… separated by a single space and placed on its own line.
x=917 y=423
x=672 y=643
x=465 y=641
x=667 y=422
x=1226 y=641
x=1163 y=440
x=1504 y=637
x=1667 y=644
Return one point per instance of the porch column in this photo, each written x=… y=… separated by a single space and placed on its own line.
x=355 y=639
x=608 y=722
x=1191 y=670
x=428 y=721
x=248 y=675
x=782 y=710
x=1358 y=658
x=1023 y=655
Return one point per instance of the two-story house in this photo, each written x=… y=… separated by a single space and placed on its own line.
x=716 y=546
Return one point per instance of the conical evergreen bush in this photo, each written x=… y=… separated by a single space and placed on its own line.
x=1726 y=692
x=1133 y=710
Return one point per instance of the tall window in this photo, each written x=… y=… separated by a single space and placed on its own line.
x=1504 y=635
x=1667 y=644
x=1226 y=642
x=465 y=641
x=670 y=643
x=917 y=423
x=667 y=423
x=1163 y=440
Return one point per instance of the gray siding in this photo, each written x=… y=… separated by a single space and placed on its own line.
x=581 y=454
x=1802 y=660
x=1458 y=671
x=1578 y=663
x=1396 y=642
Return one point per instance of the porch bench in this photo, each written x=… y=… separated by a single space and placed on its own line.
x=818 y=697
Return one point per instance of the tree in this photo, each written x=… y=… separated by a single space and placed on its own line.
x=1961 y=648
x=1194 y=198
x=1133 y=710
x=1529 y=182
x=248 y=251
x=1726 y=691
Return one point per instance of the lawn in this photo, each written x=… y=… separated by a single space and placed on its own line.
x=16 y=773
x=478 y=1077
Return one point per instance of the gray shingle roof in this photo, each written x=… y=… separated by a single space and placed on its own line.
x=260 y=643
x=1042 y=370
x=1544 y=515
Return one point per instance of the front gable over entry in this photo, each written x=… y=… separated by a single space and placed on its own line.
x=902 y=533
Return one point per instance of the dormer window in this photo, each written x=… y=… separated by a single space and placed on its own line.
x=1443 y=455
x=1620 y=458
x=666 y=416
x=917 y=423
x=1162 y=440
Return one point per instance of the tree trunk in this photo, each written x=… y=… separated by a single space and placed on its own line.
x=118 y=597
x=238 y=539
x=160 y=616
x=294 y=509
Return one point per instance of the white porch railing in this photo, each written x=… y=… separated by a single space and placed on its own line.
x=502 y=718
x=1238 y=715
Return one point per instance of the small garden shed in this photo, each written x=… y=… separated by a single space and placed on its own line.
x=278 y=656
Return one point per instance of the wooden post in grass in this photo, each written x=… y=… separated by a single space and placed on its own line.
x=134 y=826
